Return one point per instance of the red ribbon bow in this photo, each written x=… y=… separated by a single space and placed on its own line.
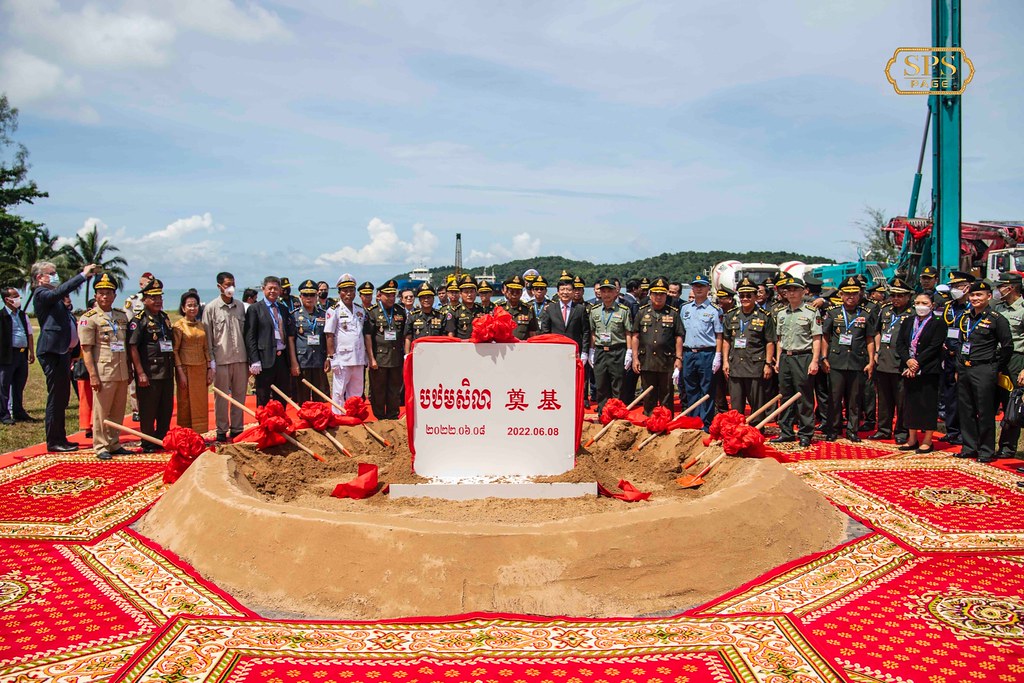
x=184 y=446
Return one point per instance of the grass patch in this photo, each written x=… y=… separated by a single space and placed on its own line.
x=24 y=434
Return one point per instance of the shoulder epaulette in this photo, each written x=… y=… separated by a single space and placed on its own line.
x=810 y=308
x=671 y=308
x=90 y=313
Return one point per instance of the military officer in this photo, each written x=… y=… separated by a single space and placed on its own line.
x=848 y=334
x=310 y=343
x=452 y=290
x=952 y=312
x=725 y=299
x=442 y=296
x=486 y=292
x=425 y=321
x=579 y=291
x=928 y=279
x=1011 y=307
x=459 y=321
x=869 y=400
x=702 y=321
x=133 y=305
x=366 y=295
x=102 y=332
x=798 y=331
x=611 y=332
x=323 y=294
x=748 y=349
x=658 y=346
x=346 y=345
x=986 y=345
x=522 y=312
x=151 y=346
x=384 y=332
x=888 y=378
x=290 y=302
x=539 y=292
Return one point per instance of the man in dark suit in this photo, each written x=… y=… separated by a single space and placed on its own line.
x=564 y=317
x=270 y=342
x=57 y=335
x=16 y=354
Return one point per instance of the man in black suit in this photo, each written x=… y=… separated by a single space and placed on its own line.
x=270 y=342
x=16 y=354
x=57 y=336
x=564 y=317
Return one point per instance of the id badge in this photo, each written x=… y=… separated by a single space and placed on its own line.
x=846 y=339
x=313 y=340
x=952 y=333
x=116 y=346
x=886 y=337
x=965 y=348
x=166 y=346
x=741 y=343
x=604 y=337
x=390 y=335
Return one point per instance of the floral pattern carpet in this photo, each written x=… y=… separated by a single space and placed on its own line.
x=934 y=594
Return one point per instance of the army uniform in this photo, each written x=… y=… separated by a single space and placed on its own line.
x=701 y=351
x=952 y=312
x=489 y=306
x=658 y=337
x=310 y=348
x=748 y=338
x=132 y=306
x=103 y=335
x=1009 y=435
x=984 y=351
x=424 y=322
x=151 y=336
x=869 y=398
x=385 y=338
x=458 y=322
x=526 y=321
x=346 y=346
x=888 y=378
x=795 y=330
x=610 y=329
x=850 y=336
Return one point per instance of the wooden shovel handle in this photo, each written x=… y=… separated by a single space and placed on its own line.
x=778 y=411
x=128 y=430
x=287 y=437
x=374 y=434
x=693 y=406
x=233 y=402
x=335 y=442
x=766 y=406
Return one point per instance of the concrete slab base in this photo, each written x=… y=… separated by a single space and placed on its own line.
x=471 y=491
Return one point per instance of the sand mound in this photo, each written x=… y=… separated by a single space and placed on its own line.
x=263 y=526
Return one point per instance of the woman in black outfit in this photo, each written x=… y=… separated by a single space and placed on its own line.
x=919 y=351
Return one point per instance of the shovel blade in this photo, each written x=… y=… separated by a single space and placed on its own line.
x=689 y=481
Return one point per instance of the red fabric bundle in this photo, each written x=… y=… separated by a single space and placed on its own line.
x=184 y=446
x=685 y=422
x=363 y=486
x=629 y=493
x=659 y=420
x=273 y=424
x=317 y=415
x=497 y=326
x=614 y=409
x=744 y=439
x=724 y=423
x=357 y=408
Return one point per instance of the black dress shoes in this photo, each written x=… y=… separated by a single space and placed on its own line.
x=120 y=450
x=25 y=418
x=964 y=455
x=783 y=439
x=829 y=436
x=853 y=438
x=879 y=436
x=7 y=421
x=805 y=442
x=909 y=447
x=62 y=448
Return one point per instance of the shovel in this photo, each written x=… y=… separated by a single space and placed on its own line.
x=628 y=408
x=375 y=435
x=693 y=407
x=287 y=437
x=337 y=444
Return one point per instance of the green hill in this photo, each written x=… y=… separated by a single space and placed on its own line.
x=681 y=266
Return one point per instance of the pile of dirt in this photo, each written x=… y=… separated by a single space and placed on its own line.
x=288 y=475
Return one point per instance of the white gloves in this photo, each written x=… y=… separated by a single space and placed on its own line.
x=213 y=365
x=591 y=359
x=716 y=364
x=584 y=358
x=629 y=359
x=256 y=368
x=675 y=376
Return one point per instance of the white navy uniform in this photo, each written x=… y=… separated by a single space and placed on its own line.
x=349 y=353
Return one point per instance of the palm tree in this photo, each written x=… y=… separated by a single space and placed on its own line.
x=89 y=248
x=30 y=244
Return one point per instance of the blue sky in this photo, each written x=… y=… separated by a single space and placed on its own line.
x=310 y=138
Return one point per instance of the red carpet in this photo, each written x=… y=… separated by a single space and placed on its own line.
x=933 y=596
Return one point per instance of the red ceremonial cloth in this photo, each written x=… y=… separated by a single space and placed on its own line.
x=629 y=493
x=411 y=398
x=737 y=437
x=184 y=445
x=637 y=417
x=272 y=424
x=614 y=409
x=363 y=486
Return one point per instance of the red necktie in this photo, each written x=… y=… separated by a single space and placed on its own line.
x=565 y=314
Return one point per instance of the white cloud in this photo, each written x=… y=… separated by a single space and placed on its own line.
x=385 y=247
x=27 y=78
x=92 y=37
x=223 y=19
x=523 y=246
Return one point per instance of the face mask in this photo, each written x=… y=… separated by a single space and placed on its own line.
x=957 y=294
x=16 y=303
x=55 y=279
x=997 y=295
x=230 y=291
x=322 y=295
x=922 y=309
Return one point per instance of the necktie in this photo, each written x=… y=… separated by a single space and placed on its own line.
x=278 y=332
x=565 y=313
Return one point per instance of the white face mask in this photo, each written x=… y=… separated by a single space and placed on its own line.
x=956 y=293
x=922 y=309
x=55 y=279
x=16 y=302
x=997 y=295
x=229 y=291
